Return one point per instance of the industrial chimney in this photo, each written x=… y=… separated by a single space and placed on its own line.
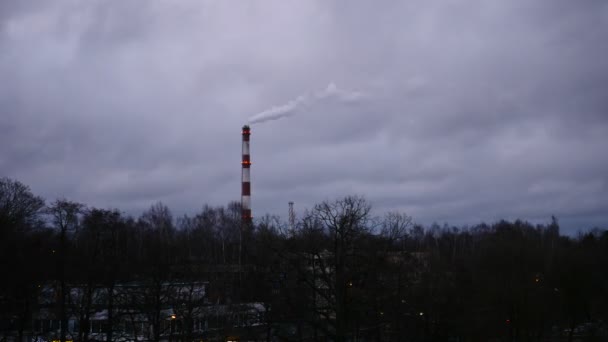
x=246 y=179
x=292 y=217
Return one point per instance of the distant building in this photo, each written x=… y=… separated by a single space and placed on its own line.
x=140 y=311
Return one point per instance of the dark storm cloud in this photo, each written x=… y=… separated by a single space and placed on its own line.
x=474 y=110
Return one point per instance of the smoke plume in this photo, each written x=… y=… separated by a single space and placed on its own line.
x=331 y=92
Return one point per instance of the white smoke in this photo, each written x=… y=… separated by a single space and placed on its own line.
x=293 y=106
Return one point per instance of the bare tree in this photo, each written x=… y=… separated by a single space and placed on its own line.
x=157 y=223
x=19 y=213
x=19 y=208
x=344 y=220
x=65 y=217
x=395 y=227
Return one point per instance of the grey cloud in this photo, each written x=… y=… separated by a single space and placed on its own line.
x=474 y=110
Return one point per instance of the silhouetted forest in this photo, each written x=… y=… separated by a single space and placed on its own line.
x=337 y=273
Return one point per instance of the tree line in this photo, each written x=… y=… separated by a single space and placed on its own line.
x=340 y=273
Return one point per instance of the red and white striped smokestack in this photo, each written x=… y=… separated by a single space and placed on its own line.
x=246 y=178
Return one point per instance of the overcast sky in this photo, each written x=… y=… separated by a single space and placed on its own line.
x=466 y=111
